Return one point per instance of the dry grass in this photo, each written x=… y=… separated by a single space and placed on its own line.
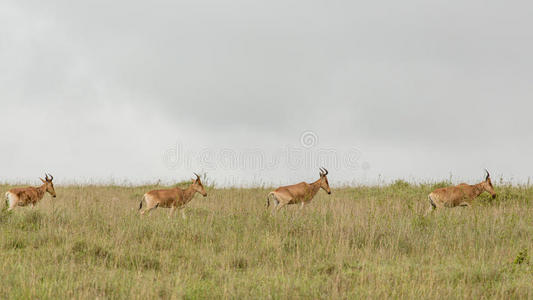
x=357 y=243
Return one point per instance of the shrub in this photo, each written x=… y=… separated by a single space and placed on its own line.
x=522 y=257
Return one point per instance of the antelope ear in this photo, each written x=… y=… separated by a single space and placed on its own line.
x=42 y=180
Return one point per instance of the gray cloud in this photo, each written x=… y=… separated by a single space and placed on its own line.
x=420 y=89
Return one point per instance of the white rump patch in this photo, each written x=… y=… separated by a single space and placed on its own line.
x=11 y=198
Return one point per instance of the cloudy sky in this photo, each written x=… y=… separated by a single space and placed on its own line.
x=265 y=91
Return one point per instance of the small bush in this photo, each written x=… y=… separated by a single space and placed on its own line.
x=239 y=263
x=79 y=247
x=138 y=262
x=357 y=240
x=405 y=246
x=202 y=289
x=84 y=252
x=15 y=243
x=290 y=245
x=400 y=184
x=100 y=253
x=31 y=221
x=439 y=185
x=522 y=258
x=327 y=269
x=420 y=223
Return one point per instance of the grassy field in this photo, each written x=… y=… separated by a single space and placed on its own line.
x=356 y=243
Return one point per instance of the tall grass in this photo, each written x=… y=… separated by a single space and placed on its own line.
x=356 y=243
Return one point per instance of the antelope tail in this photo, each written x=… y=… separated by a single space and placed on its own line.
x=271 y=196
x=7 y=200
x=141 y=203
x=431 y=202
x=268 y=199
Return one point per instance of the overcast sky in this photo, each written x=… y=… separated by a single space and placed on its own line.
x=266 y=91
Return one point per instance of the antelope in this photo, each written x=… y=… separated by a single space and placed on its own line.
x=302 y=192
x=30 y=195
x=172 y=198
x=460 y=195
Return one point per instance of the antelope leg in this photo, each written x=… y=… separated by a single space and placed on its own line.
x=465 y=204
x=279 y=206
x=171 y=211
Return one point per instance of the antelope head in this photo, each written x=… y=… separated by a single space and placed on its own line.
x=324 y=184
x=487 y=185
x=49 y=186
x=197 y=186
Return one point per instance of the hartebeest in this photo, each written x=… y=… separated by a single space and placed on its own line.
x=30 y=195
x=172 y=198
x=460 y=195
x=302 y=192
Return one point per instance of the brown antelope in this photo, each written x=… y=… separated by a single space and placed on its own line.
x=460 y=195
x=172 y=198
x=302 y=192
x=30 y=195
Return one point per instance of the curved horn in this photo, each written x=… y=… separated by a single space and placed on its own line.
x=323 y=171
x=46 y=176
x=197 y=176
x=488 y=174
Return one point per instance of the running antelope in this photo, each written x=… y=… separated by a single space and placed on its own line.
x=302 y=192
x=172 y=198
x=460 y=195
x=30 y=195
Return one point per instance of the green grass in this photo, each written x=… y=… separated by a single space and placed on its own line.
x=356 y=243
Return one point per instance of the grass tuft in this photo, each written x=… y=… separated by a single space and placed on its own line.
x=522 y=257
